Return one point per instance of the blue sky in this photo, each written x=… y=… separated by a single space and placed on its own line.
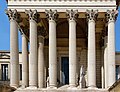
x=5 y=29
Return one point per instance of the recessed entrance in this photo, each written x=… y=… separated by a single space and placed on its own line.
x=65 y=70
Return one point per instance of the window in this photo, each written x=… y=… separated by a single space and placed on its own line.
x=4 y=72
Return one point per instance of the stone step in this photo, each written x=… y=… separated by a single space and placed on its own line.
x=61 y=90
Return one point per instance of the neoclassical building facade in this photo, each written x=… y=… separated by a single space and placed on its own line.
x=71 y=43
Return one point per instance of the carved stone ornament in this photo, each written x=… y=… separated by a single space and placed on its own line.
x=91 y=14
x=12 y=14
x=51 y=14
x=72 y=14
x=32 y=14
x=111 y=15
x=4 y=55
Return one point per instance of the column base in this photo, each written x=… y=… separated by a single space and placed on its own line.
x=72 y=85
x=24 y=86
x=51 y=87
x=14 y=86
x=32 y=87
x=92 y=87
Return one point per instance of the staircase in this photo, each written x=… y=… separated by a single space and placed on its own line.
x=61 y=89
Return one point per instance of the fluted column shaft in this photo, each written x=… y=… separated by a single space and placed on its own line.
x=52 y=14
x=25 y=71
x=14 y=51
x=72 y=47
x=91 y=49
x=33 y=60
x=111 y=47
x=40 y=62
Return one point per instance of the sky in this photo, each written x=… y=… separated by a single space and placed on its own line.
x=5 y=29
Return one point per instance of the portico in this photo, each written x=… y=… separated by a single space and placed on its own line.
x=56 y=32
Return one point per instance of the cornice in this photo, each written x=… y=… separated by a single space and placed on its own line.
x=62 y=5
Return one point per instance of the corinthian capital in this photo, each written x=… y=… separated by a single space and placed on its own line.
x=32 y=14
x=72 y=14
x=51 y=14
x=111 y=15
x=12 y=14
x=91 y=14
x=42 y=31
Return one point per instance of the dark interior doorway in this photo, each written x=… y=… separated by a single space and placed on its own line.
x=65 y=69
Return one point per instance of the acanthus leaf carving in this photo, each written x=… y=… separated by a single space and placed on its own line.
x=12 y=14
x=51 y=14
x=111 y=15
x=32 y=14
x=91 y=14
x=72 y=14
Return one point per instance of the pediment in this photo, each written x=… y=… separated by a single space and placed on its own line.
x=4 y=55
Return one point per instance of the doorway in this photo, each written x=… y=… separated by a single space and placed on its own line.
x=65 y=70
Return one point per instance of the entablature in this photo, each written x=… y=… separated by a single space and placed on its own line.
x=62 y=5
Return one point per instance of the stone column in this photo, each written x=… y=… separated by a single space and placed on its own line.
x=14 y=51
x=91 y=16
x=102 y=67
x=33 y=60
x=40 y=61
x=72 y=15
x=52 y=16
x=105 y=61
x=111 y=46
x=25 y=71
